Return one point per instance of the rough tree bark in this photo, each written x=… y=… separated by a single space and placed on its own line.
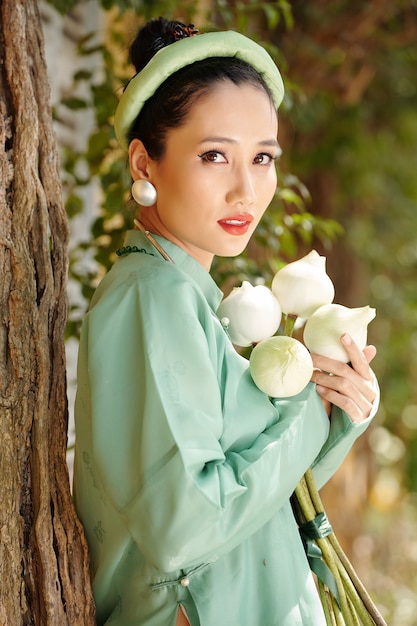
x=43 y=555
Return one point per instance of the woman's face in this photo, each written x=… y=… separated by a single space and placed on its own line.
x=217 y=175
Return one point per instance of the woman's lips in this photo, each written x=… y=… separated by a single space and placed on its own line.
x=236 y=224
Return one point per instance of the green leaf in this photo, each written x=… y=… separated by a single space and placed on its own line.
x=74 y=103
x=74 y=205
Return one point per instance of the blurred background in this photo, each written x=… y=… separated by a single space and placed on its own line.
x=347 y=187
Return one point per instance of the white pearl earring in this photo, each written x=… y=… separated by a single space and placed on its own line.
x=144 y=192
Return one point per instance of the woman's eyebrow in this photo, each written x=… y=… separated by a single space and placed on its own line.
x=265 y=142
x=270 y=142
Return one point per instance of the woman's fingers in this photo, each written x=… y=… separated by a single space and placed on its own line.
x=357 y=358
x=350 y=387
x=369 y=352
x=353 y=398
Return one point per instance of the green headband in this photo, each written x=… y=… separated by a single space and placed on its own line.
x=182 y=53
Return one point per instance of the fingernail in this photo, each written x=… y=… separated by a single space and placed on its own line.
x=320 y=389
x=346 y=339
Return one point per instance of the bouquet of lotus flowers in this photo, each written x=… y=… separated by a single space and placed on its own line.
x=281 y=366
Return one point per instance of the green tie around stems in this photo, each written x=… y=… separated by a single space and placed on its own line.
x=351 y=605
x=318 y=528
x=344 y=598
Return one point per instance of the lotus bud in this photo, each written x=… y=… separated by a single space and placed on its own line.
x=281 y=366
x=325 y=327
x=303 y=286
x=253 y=313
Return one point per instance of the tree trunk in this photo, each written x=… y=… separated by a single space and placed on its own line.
x=43 y=555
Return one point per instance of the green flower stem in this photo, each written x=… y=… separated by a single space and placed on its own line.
x=340 y=621
x=329 y=557
x=355 y=617
x=327 y=605
x=378 y=620
x=357 y=606
x=309 y=512
x=310 y=504
x=304 y=500
x=313 y=491
x=361 y=591
x=290 y=320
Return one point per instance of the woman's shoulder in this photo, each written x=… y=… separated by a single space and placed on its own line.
x=149 y=272
x=149 y=278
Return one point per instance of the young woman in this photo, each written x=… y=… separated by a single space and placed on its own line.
x=183 y=468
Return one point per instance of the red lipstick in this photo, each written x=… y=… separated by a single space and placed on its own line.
x=236 y=224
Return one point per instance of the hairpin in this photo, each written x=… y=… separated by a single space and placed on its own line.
x=181 y=31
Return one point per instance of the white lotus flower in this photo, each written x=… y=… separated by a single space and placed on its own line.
x=281 y=366
x=325 y=327
x=303 y=286
x=253 y=313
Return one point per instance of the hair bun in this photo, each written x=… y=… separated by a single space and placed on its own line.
x=157 y=34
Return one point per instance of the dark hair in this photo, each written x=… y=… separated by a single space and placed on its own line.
x=172 y=101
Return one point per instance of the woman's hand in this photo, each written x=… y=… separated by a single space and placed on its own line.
x=350 y=387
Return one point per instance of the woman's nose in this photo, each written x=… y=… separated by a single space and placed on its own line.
x=241 y=189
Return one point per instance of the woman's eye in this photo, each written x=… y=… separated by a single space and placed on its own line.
x=212 y=156
x=264 y=158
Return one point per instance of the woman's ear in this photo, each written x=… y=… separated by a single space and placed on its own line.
x=139 y=160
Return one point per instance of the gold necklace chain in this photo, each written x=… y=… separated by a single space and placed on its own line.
x=153 y=241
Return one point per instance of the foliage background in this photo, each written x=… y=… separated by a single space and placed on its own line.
x=347 y=186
